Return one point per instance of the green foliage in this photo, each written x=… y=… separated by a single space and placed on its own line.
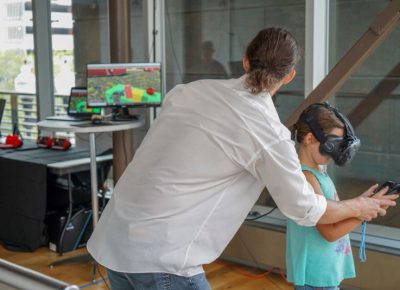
x=10 y=63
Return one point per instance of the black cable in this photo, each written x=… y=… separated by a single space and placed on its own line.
x=262 y=215
x=68 y=220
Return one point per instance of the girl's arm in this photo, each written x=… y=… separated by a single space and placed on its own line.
x=331 y=232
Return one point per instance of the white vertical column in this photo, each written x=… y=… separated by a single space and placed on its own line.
x=153 y=18
x=316 y=45
x=155 y=24
x=43 y=58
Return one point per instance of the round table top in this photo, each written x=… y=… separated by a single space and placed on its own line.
x=68 y=126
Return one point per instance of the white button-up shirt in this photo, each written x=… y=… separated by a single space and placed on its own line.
x=195 y=177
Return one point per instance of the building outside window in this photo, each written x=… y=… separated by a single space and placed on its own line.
x=17 y=72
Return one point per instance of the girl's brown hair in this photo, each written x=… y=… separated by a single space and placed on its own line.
x=325 y=118
x=271 y=54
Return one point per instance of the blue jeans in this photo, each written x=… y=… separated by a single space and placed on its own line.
x=308 y=287
x=156 y=281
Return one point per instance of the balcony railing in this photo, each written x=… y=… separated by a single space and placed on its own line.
x=21 y=112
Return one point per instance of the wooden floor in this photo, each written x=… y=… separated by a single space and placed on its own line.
x=220 y=274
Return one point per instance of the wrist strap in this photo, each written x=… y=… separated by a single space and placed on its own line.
x=361 y=254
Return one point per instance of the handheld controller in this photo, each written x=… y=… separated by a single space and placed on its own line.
x=394 y=187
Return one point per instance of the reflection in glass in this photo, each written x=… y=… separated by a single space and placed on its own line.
x=207 y=39
x=371 y=100
x=79 y=36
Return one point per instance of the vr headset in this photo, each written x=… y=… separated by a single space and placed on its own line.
x=340 y=149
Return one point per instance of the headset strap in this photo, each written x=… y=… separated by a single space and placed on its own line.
x=309 y=119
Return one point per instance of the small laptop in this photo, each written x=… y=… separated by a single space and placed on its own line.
x=77 y=109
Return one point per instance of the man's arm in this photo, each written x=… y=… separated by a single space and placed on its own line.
x=332 y=232
x=362 y=207
x=278 y=167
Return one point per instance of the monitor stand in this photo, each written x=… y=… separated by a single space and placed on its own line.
x=121 y=114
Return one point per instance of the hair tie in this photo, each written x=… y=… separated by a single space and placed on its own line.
x=256 y=64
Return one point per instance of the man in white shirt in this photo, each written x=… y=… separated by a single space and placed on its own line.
x=215 y=145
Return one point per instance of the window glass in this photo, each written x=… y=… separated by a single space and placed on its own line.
x=207 y=39
x=138 y=33
x=17 y=73
x=375 y=86
x=79 y=36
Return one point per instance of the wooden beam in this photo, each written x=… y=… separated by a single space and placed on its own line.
x=120 y=52
x=375 y=97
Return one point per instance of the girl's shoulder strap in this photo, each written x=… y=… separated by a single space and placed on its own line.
x=317 y=174
x=327 y=187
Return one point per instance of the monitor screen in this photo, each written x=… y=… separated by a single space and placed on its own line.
x=78 y=102
x=124 y=84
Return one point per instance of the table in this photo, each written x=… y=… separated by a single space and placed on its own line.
x=24 y=191
x=68 y=167
x=66 y=126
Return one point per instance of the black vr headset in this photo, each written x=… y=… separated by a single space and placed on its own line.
x=341 y=149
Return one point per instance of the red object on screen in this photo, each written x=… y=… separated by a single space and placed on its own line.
x=128 y=91
x=150 y=91
x=102 y=72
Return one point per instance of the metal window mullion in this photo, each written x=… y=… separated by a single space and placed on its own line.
x=316 y=43
x=41 y=11
x=155 y=24
x=161 y=28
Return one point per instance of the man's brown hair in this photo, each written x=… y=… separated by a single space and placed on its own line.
x=271 y=54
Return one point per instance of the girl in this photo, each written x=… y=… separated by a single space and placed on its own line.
x=319 y=257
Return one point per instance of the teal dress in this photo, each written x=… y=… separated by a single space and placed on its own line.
x=312 y=260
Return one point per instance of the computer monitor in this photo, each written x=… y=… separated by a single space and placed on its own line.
x=124 y=85
x=77 y=103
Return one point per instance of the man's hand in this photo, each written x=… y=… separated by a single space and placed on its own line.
x=365 y=207
x=369 y=205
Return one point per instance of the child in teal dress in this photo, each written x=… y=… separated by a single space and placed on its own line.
x=319 y=257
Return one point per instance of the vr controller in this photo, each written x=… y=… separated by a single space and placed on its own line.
x=394 y=187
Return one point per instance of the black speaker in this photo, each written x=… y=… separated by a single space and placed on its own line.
x=64 y=238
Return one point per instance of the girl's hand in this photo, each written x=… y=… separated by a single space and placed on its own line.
x=380 y=194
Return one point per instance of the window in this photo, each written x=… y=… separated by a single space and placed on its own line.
x=17 y=72
x=201 y=32
x=15 y=10
x=15 y=33
x=207 y=39
x=79 y=36
x=376 y=86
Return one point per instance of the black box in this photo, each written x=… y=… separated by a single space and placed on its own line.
x=75 y=235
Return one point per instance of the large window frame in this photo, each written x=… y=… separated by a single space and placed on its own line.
x=316 y=51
